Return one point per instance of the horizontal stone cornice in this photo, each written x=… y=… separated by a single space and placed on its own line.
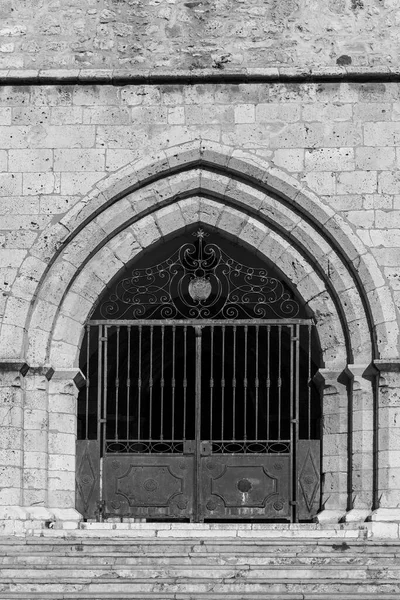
x=168 y=77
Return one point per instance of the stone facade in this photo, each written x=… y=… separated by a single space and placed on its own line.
x=97 y=165
x=217 y=34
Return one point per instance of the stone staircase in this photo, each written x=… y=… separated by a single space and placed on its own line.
x=199 y=562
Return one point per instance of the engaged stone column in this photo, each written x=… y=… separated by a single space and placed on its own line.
x=388 y=445
x=362 y=442
x=34 y=494
x=12 y=374
x=334 y=401
x=63 y=393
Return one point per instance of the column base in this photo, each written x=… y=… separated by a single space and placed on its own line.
x=357 y=515
x=20 y=520
x=386 y=515
x=330 y=516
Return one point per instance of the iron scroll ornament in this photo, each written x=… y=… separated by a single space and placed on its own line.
x=199 y=281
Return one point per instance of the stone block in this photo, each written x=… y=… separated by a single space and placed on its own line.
x=62 y=422
x=62 y=480
x=327 y=112
x=77 y=183
x=61 y=443
x=375 y=159
x=329 y=159
x=105 y=115
x=359 y=181
x=30 y=115
x=3 y=161
x=322 y=182
x=10 y=496
x=39 y=160
x=382 y=134
x=330 y=516
x=381 y=530
x=66 y=115
x=79 y=160
x=290 y=159
x=146 y=231
x=10 y=185
x=61 y=499
x=357 y=515
x=40 y=183
x=5 y=115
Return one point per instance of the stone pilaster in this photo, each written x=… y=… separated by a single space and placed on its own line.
x=12 y=383
x=388 y=442
x=35 y=458
x=361 y=447
x=63 y=393
x=334 y=400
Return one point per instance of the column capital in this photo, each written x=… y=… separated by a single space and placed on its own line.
x=387 y=365
x=69 y=375
x=325 y=377
x=361 y=371
x=9 y=365
x=46 y=371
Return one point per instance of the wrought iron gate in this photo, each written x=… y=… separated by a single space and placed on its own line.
x=199 y=402
x=199 y=420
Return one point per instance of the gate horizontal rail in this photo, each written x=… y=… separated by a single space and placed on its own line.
x=202 y=322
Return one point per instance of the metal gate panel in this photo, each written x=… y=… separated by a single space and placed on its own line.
x=87 y=477
x=153 y=486
x=199 y=420
x=245 y=486
x=308 y=478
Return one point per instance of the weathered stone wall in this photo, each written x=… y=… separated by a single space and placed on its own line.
x=70 y=158
x=219 y=34
x=339 y=140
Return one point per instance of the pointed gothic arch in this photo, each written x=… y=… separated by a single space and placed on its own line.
x=240 y=181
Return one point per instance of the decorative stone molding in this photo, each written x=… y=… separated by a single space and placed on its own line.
x=181 y=76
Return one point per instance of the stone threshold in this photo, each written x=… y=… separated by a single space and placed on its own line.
x=170 y=77
x=220 y=531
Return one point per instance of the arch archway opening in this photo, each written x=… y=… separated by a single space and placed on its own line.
x=200 y=402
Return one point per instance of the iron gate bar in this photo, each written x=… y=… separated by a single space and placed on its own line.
x=197 y=510
x=268 y=380
x=87 y=383
x=256 y=382
x=184 y=380
x=162 y=382
x=223 y=383
x=117 y=384
x=234 y=385
x=128 y=382
x=295 y=453
x=211 y=382
x=151 y=382
x=173 y=381
x=245 y=384
x=139 y=412
x=309 y=385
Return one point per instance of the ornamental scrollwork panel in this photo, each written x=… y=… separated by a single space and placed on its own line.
x=199 y=281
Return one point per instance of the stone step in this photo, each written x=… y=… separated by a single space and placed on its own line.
x=288 y=571
x=206 y=596
x=198 y=587
x=78 y=559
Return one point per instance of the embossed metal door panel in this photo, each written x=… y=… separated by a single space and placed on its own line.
x=87 y=477
x=308 y=477
x=245 y=486
x=149 y=486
